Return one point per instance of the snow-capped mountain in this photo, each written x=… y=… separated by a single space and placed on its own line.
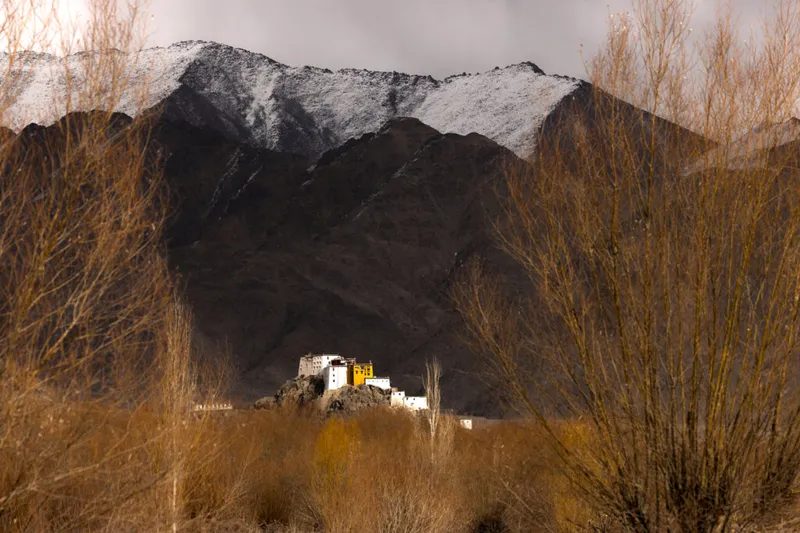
x=355 y=251
x=251 y=98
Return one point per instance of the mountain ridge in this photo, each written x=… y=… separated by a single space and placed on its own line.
x=253 y=99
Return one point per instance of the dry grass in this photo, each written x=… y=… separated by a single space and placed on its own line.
x=288 y=471
x=293 y=471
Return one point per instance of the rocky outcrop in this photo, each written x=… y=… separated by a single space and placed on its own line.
x=348 y=400
x=267 y=402
x=310 y=392
x=300 y=391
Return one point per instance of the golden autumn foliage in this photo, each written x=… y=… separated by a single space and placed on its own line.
x=333 y=476
x=295 y=472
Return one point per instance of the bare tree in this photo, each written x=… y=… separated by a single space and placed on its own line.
x=90 y=339
x=178 y=386
x=433 y=395
x=440 y=427
x=664 y=270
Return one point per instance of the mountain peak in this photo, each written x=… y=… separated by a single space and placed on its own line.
x=528 y=64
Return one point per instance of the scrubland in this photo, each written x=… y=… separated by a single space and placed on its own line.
x=654 y=354
x=285 y=470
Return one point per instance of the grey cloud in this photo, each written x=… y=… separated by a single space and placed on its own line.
x=437 y=37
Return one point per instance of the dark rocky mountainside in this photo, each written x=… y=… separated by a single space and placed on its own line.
x=356 y=251
x=356 y=257
x=354 y=254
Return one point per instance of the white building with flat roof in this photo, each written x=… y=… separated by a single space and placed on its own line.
x=382 y=383
x=415 y=403
x=220 y=406
x=314 y=364
x=396 y=399
x=334 y=370
x=334 y=376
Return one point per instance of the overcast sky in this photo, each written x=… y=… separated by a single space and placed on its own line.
x=437 y=37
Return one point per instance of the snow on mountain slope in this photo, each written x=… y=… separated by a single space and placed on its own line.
x=254 y=99
x=749 y=150
x=507 y=105
x=39 y=84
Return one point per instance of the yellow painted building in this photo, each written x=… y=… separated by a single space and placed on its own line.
x=358 y=372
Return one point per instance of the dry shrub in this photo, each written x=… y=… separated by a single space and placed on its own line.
x=282 y=465
x=335 y=504
x=113 y=470
x=288 y=471
x=511 y=478
x=439 y=427
x=572 y=510
x=252 y=467
x=418 y=493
